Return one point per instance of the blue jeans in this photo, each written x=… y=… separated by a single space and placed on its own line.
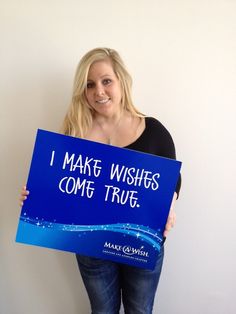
x=107 y=283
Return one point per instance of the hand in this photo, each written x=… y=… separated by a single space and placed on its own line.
x=171 y=220
x=23 y=195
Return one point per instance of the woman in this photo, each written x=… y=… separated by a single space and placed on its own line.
x=102 y=110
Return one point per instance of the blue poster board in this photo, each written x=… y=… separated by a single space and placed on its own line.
x=97 y=200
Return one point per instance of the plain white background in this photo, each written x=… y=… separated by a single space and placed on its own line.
x=182 y=56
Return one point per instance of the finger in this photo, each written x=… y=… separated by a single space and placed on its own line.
x=168 y=227
x=167 y=230
x=21 y=201
x=23 y=198
x=23 y=194
x=24 y=191
x=171 y=222
x=165 y=233
x=172 y=218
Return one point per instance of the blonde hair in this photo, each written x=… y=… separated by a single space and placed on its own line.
x=79 y=117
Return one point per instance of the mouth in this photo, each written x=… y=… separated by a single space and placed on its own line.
x=103 y=101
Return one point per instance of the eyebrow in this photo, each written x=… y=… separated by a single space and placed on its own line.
x=105 y=75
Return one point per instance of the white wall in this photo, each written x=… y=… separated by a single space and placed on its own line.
x=182 y=56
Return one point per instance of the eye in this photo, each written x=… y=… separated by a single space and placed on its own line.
x=90 y=84
x=107 y=81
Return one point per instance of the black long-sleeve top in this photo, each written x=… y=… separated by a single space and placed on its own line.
x=156 y=140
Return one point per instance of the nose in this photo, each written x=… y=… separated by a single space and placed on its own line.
x=99 y=90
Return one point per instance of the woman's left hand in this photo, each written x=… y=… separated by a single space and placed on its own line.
x=171 y=218
x=170 y=222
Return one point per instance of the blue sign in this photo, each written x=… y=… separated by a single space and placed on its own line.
x=97 y=200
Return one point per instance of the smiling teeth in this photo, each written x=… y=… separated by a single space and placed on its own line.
x=102 y=101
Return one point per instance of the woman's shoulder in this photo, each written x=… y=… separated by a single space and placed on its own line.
x=154 y=125
x=160 y=137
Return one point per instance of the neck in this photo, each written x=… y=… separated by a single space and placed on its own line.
x=109 y=125
x=109 y=120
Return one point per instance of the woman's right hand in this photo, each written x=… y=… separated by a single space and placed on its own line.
x=23 y=195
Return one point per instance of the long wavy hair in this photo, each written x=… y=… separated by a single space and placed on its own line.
x=79 y=117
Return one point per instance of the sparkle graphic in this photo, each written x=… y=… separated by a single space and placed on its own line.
x=143 y=233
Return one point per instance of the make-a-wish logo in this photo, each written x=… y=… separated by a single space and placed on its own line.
x=126 y=249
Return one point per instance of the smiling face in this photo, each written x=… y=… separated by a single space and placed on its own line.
x=103 y=91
